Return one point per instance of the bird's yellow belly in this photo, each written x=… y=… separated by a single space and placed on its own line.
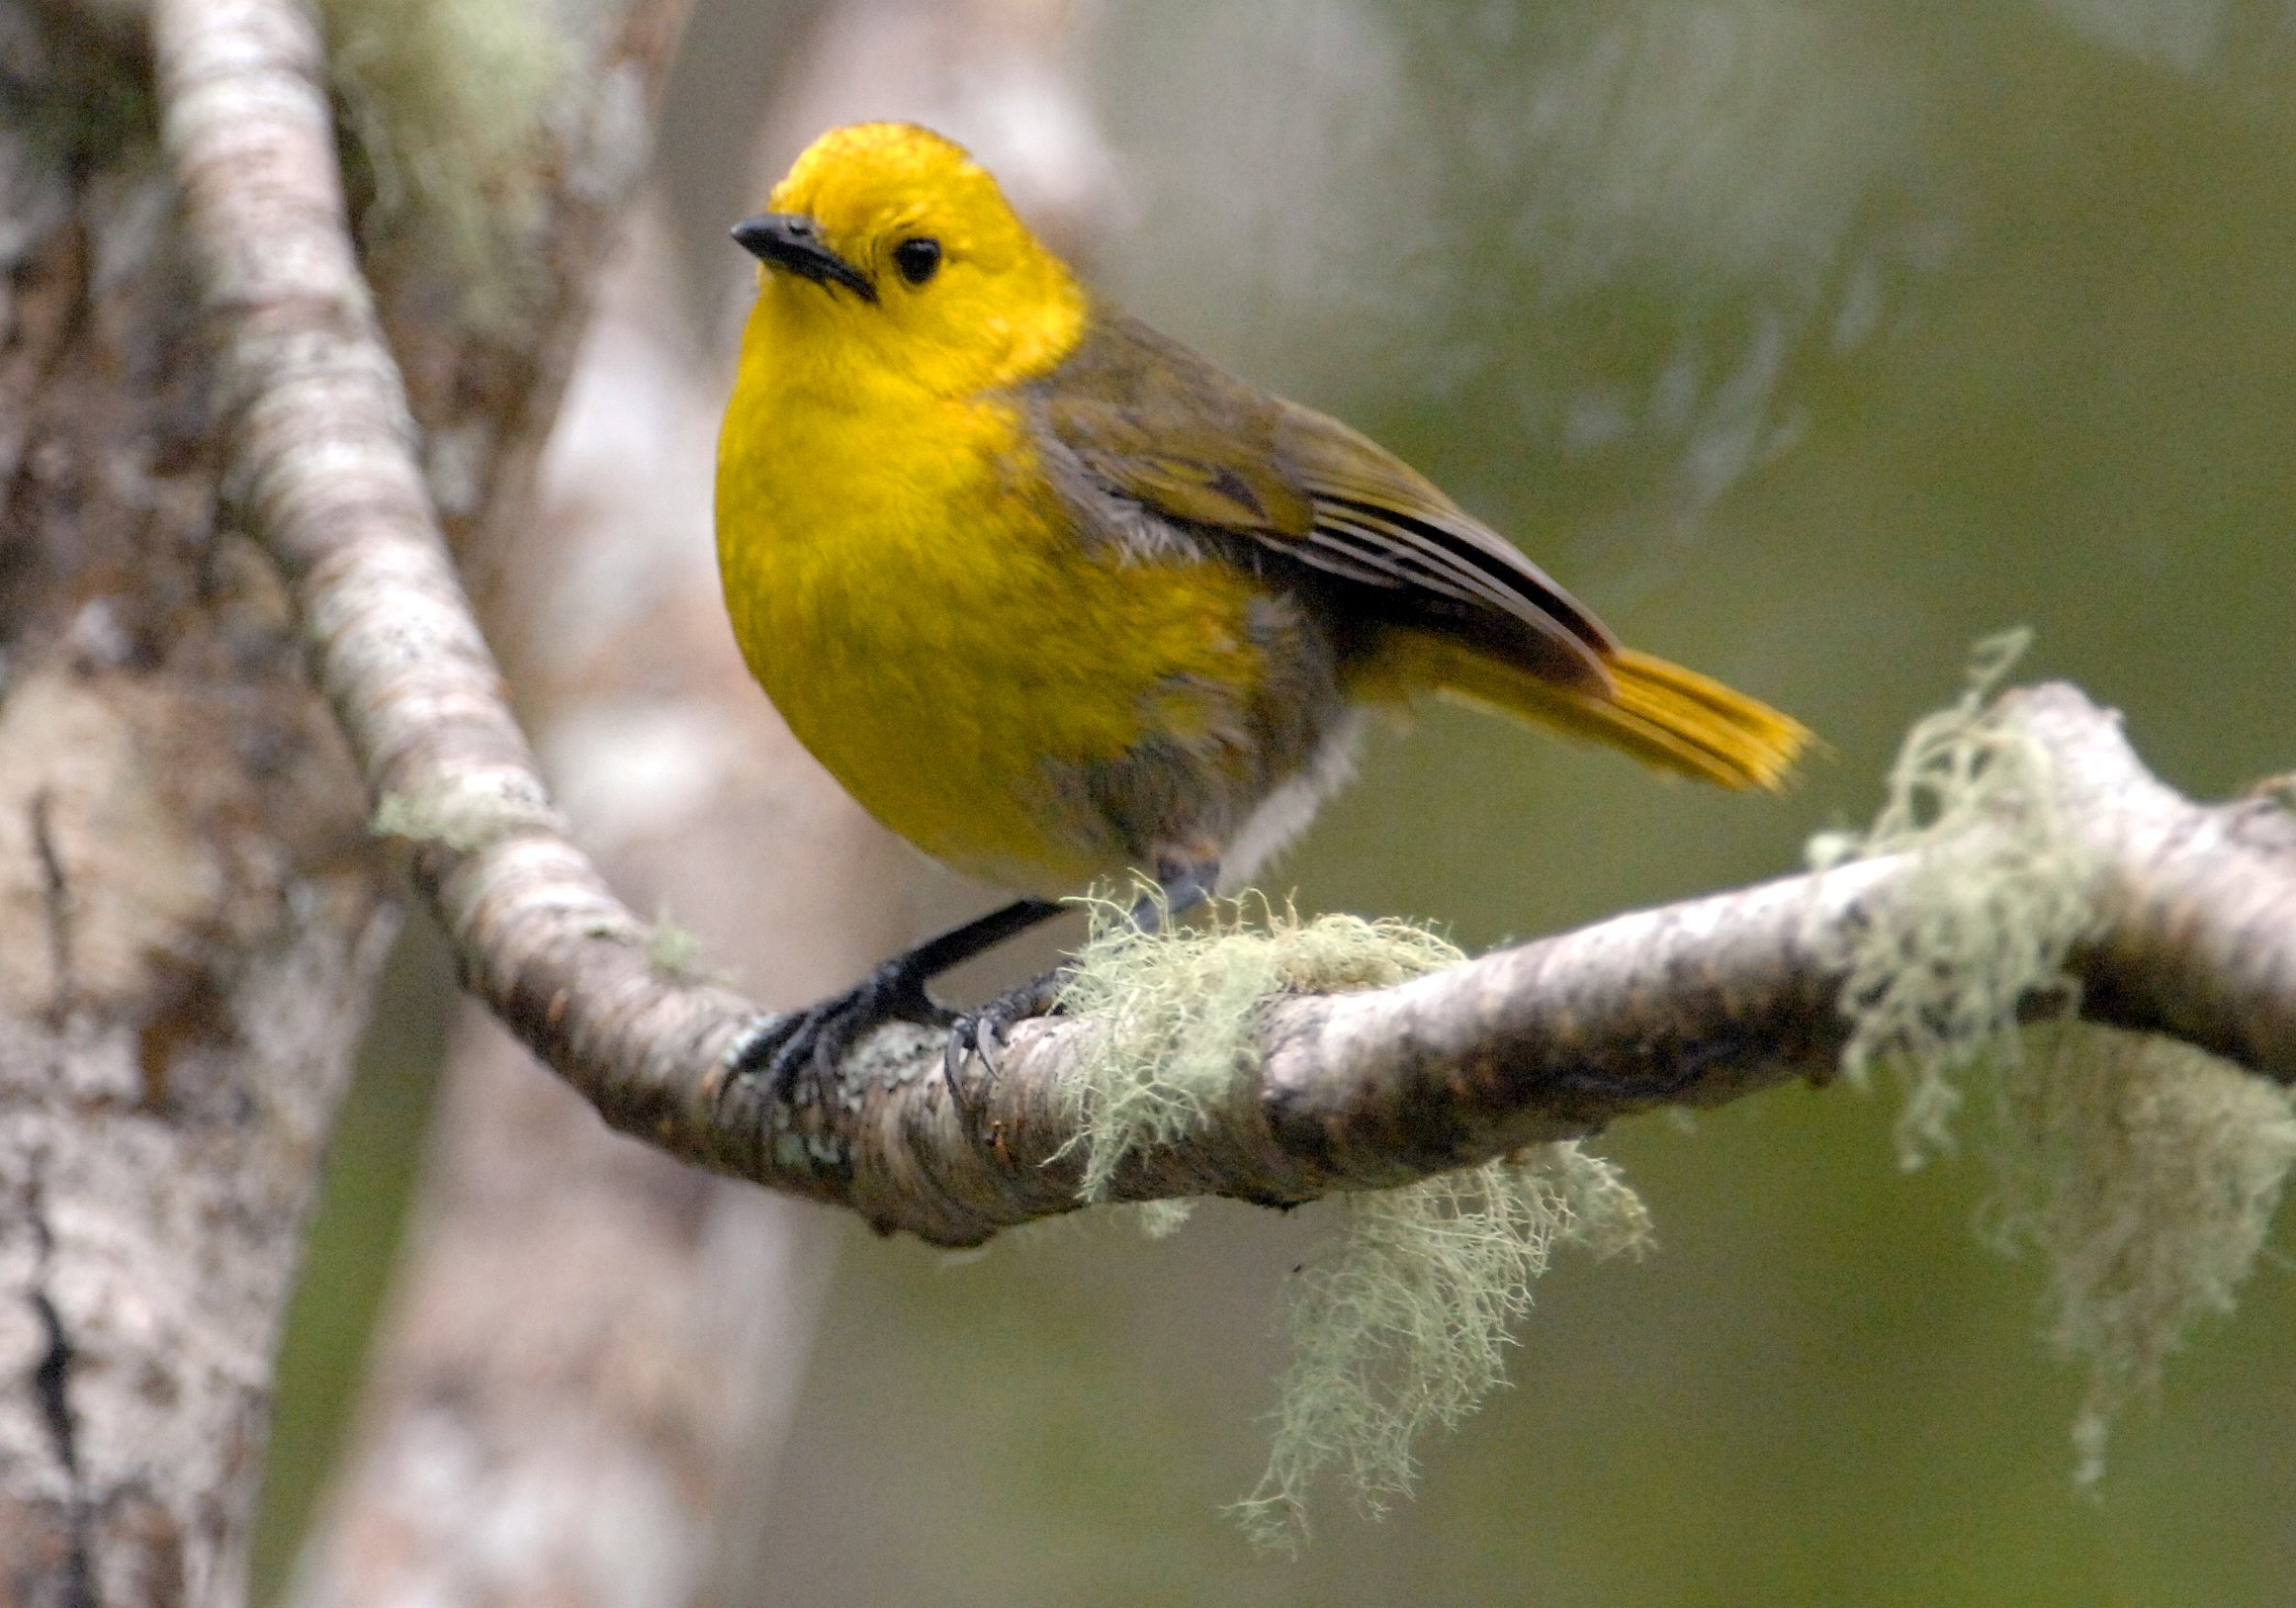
x=913 y=604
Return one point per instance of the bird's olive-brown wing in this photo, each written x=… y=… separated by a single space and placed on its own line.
x=1152 y=424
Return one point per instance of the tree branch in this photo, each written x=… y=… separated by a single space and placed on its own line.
x=1693 y=1003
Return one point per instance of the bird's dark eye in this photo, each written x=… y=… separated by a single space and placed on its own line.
x=918 y=259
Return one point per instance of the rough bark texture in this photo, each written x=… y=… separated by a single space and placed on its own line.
x=192 y=915
x=195 y=911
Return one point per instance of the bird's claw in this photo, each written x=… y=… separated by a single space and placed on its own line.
x=980 y=1035
x=976 y=1035
x=963 y=1044
x=795 y=1054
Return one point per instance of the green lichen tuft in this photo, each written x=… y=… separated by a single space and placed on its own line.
x=464 y=817
x=1998 y=893
x=1175 y=1012
x=449 y=101
x=672 y=950
x=2145 y=1173
x=1403 y=1326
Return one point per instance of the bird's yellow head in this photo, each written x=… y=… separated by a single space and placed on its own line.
x=889 y=256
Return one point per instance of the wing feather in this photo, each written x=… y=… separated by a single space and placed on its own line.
x=1148 y=421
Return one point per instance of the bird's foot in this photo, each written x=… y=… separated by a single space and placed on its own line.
x=796 y=1053
x=979 y=1034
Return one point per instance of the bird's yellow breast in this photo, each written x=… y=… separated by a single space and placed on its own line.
x=908 y=589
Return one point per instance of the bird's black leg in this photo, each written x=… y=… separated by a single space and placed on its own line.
x=981 y=1033
x=786 y=1046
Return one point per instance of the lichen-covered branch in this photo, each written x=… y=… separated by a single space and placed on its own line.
x=1696 y=1003
x=1693 y=1003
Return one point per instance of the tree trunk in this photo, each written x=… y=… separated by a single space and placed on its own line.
x=194 y=911
x=193 y=914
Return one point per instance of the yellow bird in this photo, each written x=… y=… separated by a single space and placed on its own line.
x=1055 y=597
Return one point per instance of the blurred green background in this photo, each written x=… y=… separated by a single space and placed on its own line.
x=1807 y=340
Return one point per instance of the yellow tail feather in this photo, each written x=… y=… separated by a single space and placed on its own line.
x=1661 y=713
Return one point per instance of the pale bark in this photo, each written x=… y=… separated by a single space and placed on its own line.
x=192 y=918
x=196 y=910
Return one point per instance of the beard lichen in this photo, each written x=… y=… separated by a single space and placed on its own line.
x=1400 y=1324
x=2144 y=1172
x=1175 y=1009
x=1997 y=894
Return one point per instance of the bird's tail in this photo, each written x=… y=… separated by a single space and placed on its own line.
x=1661 y=713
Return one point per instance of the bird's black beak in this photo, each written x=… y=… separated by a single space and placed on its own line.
x=788 y=240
